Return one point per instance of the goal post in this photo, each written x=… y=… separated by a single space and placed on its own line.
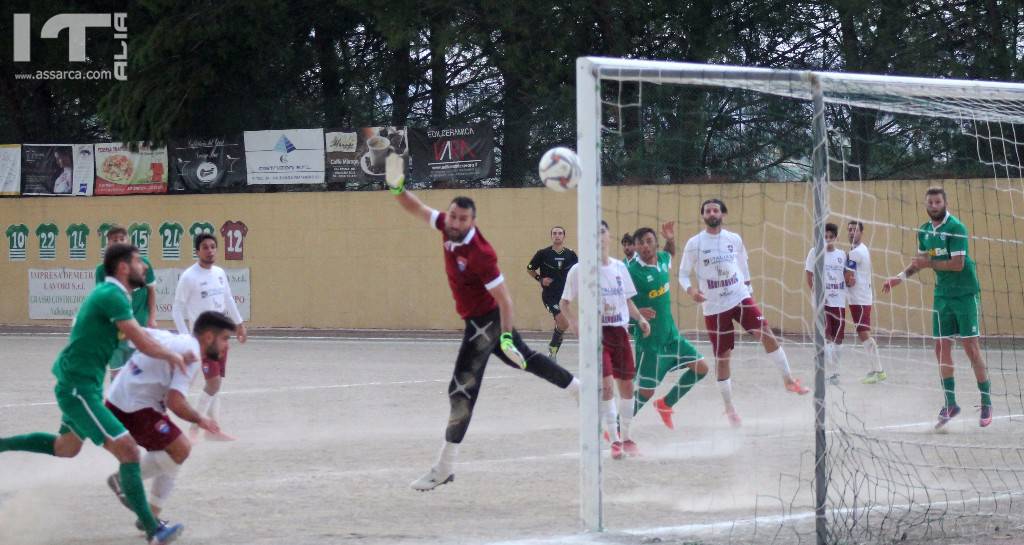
x=869 y=478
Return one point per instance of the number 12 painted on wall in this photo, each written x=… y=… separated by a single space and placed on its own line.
x=234 y=239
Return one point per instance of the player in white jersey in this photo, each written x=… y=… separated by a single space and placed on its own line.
x=141 y=395
x=723 y=287
x=618 y=366
x=835 y=297
x=860 y=298
x=202 y=287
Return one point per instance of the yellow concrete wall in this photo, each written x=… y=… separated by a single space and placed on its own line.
x=354 y=260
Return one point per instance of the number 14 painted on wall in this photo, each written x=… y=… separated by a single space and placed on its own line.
x=234 y=239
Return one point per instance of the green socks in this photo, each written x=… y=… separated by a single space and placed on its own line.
x=41 y=443
x=686 y=381
x=949 y=387
x=984 y=387
x=131 y=485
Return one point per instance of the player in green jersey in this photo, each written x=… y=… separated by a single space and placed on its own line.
x=143 y=301
x=80 y=369
x=942 y=246
x=665 y=350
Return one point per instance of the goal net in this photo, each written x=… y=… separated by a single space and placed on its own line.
x=857 y=459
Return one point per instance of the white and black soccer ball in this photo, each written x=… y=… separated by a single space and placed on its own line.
x=559 y=169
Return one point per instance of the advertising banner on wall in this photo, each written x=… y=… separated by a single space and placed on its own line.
x=207 y=165
x=293 y=156
x=461 y=153
x=57 y=293
x=120 y=171
x=56 y=169
x=356 y=156
x=10 y=169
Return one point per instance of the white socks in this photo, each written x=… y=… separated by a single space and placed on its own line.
x=203 y=406
x=215 y=407
x=832 y=353
x=725 y=388
x=872 y=349
x=608 y=416
x=779 y=359
x=446 y=458
x=159 y=466
x=625 y=417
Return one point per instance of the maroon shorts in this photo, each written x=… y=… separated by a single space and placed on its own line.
x=861 y=316
x=151 y=429
x=835 y=324
x=720 y=328
x=216 y=368
x=617 y=353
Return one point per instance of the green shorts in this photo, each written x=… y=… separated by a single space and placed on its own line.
x=121 y=355
x=82 y=412
x=954 y=316
x=654 y=360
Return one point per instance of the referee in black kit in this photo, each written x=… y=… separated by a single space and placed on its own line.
x=549 y=267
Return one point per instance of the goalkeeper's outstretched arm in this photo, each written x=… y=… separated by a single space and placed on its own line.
x=394 y=176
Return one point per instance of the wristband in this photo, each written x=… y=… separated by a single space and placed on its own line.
x=902 y=276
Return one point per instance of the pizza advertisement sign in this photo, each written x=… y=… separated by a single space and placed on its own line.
x=121 y=171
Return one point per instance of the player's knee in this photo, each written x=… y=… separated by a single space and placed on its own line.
x=645 y=393
x=66 y=449
x=181 y=453
x=700 y=367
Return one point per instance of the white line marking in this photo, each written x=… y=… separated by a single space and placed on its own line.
x=689 y=530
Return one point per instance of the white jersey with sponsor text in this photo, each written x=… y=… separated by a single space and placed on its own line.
x=144 y=381
x=200 y=289
x=835 y=285
x=858 y=260
x=720 y=262
x=616 y=289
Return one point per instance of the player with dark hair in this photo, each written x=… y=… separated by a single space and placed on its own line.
x=860 y=297
x=617 y=365
x=723 y=288
x=628 y=247
x=483 y=300
x=141 y=397
x=665 y=350
x=942 y=246
x=80 y=369
x=834 y=305
x=201 y=287
x=549 y=267
x=143 y=301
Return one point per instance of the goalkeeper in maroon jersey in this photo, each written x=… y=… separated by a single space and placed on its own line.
x=483 y=301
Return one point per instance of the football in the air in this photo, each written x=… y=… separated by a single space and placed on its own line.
x=559 y=169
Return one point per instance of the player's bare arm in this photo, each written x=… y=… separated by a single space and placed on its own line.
x=566 y=306
x=907 y=273
x=641 y=321
x=413 y=205
x=810 y=279
x=696 y=295
x=145 y=344
x=180 y=407
x=151 y=303
x=954 y=264
x=668 y=232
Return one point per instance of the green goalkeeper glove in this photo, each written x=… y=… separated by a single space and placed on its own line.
x=394 y=173
x=510 y=350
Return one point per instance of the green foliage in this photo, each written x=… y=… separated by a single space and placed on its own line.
x=206 y=68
